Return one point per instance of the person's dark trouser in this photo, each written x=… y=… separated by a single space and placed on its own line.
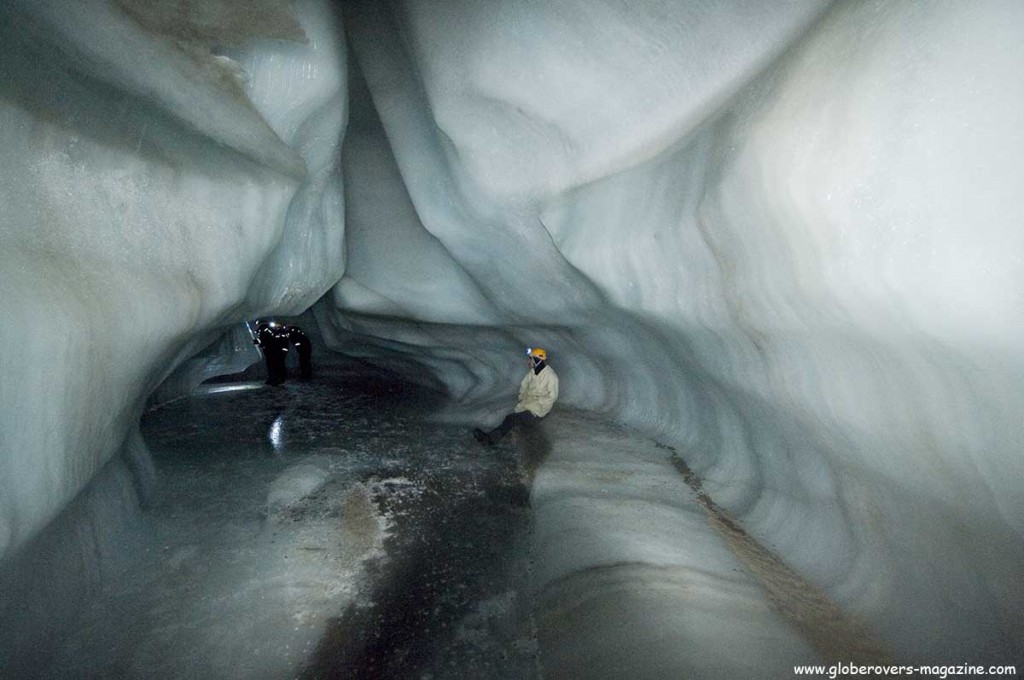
x=512 y=420
x=305 y=362
x=277 y=373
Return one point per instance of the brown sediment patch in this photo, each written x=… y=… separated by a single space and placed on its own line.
x=838 y=636
x=201 y=29
x=360 y=522
x=229 y=23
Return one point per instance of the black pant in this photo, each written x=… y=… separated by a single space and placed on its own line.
x=521 y=419
x=277 y=372
x=305 y=361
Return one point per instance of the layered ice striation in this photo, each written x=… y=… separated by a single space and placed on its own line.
x=787 y=246
x=783 y=237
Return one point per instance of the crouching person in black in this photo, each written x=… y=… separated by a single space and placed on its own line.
x=273 y=340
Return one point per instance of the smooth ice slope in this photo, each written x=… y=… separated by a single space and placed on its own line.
x=146 y=205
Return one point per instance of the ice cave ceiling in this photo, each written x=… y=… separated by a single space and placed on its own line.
x=785 y=236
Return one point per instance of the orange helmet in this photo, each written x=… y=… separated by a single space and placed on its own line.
x=537 y=352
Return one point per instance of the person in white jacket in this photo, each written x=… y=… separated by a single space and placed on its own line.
x=537 y=394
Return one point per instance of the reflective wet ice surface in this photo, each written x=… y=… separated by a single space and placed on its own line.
x=322 y=529
x=339 y=529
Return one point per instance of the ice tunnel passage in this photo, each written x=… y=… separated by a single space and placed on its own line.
x=781 y=238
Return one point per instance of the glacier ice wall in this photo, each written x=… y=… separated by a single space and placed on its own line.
x=781 y=236
x=152 y=195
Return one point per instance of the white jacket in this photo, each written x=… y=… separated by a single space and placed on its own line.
x=538 y=392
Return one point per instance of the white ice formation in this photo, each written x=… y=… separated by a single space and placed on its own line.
x=784 y=237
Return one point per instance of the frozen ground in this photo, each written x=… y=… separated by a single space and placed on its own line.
x=288 y=516
x=337 y=529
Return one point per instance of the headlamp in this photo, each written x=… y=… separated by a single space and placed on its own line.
x=529 y=351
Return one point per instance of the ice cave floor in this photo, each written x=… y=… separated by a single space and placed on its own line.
x=341 y=528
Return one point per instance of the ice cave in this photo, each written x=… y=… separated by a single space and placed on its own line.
x=774 y=249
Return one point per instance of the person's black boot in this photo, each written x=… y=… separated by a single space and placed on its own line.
x=482 y=437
